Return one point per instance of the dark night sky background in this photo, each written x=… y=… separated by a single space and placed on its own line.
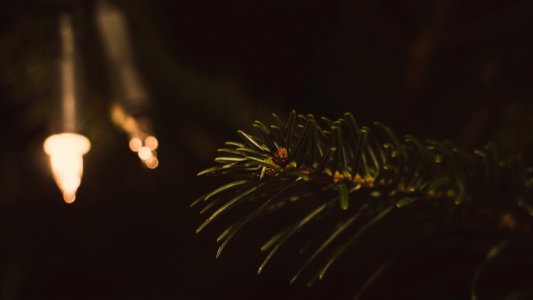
x=461 y=70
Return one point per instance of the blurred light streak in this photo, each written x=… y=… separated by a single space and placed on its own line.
x=68 y=87
x=140 y=141
x=129 y=88
x=66 y=152
x=113 y=31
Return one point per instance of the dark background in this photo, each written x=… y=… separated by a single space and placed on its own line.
x=461 y=70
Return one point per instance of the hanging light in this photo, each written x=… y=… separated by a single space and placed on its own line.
x=140 y=141
x=66 y=152
x=66 y=149
x=128 y=112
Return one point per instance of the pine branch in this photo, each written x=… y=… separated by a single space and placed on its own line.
x=346 y=179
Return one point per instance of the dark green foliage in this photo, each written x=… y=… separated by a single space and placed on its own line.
x=339 y=181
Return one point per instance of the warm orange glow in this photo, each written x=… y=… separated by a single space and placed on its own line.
x=148 y=156
x=68 y=86
x=113 y=30
x=145 y=153
x=151 y=142
x=66 y=152
x=140 y=141
x=135 y=144
x=152 y=163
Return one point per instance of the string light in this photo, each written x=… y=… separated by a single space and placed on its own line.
x=129 y=90
x=66 y=152
x=66 y=149
x=141 y=142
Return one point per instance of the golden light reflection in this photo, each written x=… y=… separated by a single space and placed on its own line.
x=66 y=152
x=135 y=144
x=151 y=142
x=152 y=163
x=145 y=153
x=141 y=142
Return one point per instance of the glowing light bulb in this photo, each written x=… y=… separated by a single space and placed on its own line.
x=66 y=152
